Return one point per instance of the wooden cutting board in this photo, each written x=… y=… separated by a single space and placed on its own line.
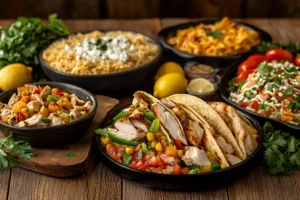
x=55 y=162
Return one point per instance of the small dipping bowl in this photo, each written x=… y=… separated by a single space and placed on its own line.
x=197 y=70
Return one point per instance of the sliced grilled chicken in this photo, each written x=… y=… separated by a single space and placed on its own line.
x=194 y=132
x=45 y=92
x=195 y=156
x=75 y=100
x=233 y=160
x=124 y=135
x=169 y=122
x=34 y=105
x=13 y=99
x=140 y=123
x=225 y=147
x=34 y=120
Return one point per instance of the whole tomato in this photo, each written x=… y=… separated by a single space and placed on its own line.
x=297 y=60
x=279 y=54
x=243 y=76
x=251 y=62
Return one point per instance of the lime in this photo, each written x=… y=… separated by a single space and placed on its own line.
x=200 y=85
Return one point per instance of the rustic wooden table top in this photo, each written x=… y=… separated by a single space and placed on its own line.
x=100 y=183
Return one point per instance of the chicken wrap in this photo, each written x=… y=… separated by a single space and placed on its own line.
x=222 y=133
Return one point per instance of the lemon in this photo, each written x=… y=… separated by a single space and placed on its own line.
x=200 y=85
x=168 y=84
x=14 y=75
x=168 y=67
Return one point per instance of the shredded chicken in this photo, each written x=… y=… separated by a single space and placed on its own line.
x=195 y=156
x=45 y=92
x=13 y=99
x=38 y=98
x=75 y=100
x=34 y=120
x=55 y=120
x=34 y=105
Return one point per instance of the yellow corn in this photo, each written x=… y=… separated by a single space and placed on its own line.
x=150 y=137
x=153 y=144
x=107 y=146
x=129 y=150
x=158 y=134
x=205 y=168
x=163 y=137
x=158 y=147
x=60 y=103
x=159 y=172
x=179 y=153
x=223 y=166
x=102 y=139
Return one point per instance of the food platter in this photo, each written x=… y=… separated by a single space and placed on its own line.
x=215 y=61
x=225 y=94
x=179 y=182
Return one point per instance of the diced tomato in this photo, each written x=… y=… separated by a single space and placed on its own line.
x=54 y=104
x=279 y=54
x=159 y=162
x=152 y=161
x=286 y=118
x=21 y=116
x=244 y=104
x=112 y=149
x=254 y=104
x=178 y=144
x=25 y=99
x=36 y=91
x=57 y=91
x=143 y=167
x=116 y=156
x=177 y=169
x=185 y=170
x=297 y=60
x=251 y=62
x=132 y=164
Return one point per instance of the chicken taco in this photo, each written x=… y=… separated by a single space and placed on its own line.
x=222 y=133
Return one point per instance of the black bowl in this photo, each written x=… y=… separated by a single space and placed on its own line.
x=231 y=73
x=179 y=182
x=215 y=61
x=110 y=84
x=55 y=135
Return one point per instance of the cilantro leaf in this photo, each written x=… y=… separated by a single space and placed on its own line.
x=215 y=34
x=71 y=154
x=288 y=91
x=264 y=69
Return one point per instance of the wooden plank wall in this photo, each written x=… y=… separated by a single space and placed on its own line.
x=130 y=9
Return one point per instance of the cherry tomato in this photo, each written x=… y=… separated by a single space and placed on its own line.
x=36 y=91
x=279 y=54
x=243 y=76
x=297 y=60
x=178 y=144
x=177 y=169
x=21 y=116
x=244 y=104
x=251 y=62
x=57 y=91
x=254 y=104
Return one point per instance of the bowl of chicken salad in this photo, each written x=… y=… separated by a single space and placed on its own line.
x=46 y=114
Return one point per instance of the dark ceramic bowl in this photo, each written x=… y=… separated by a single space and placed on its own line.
x=55 y=135
x=291 y=128
x=110 y=84
x=179 y=182
x=215 y=61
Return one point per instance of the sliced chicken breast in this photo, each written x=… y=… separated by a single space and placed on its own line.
x=124 y=135
x=232 y=160
x=225 y=147
x=194 y=132
x=195 y=156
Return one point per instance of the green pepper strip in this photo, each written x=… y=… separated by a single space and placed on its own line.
x=149 y=115
x=121 y=115
x=51 y=98
x=101 y=132
x=144 y=148
x=215 y=166
x=118 y=140
x=46 y=120
x=154 y=128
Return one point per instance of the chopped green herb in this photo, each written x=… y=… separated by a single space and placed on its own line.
x=215 y=166
x=272 y=86
x=278 y=80
x=135 y=106
x=264 y=107
x=287 y=75
x=71 y=154
x=47 y=120
x=195 y=167
x=249 y=94
x=264 y=69
x=288 y=91
x=215 y=34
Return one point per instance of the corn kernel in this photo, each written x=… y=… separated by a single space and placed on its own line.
x=158 y=134
x=153 y=144
x=159 y=172
x=129 y=150
x=205 y=168
x=223 y=166
x=158 y=147
x=163 y=137
x=150 y=137
x=179 y=153
x=102 y=139
x=107 y=140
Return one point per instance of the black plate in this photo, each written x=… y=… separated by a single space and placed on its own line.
x=262 y=119
x=55 y=135
x=111 y=84
x=215 y=61
x=179 y=182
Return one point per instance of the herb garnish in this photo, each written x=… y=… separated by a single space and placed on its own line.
x=288 y=91
x=264 y=68
x=264 y=107
x=215 y=34
x=71 y=154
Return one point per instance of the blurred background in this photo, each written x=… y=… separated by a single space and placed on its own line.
x=131 y=9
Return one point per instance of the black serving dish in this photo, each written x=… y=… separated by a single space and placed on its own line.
x=231 y=73
x=215 y=61
x=111 y=84
x=52 y=136
x=179 y=182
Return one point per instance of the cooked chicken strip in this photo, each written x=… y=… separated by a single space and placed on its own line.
x=194 y=132
x=195 y=156
x=45 y=92
x=6 y=113
x=233 y=160
x=34 y=120
x=225 y=147
x=75 y=100
x=124 y=135
x=13 y=99
x=55 y=120
x=169 y=122
x=34 y=105
x=141 y=123
x=38 y=98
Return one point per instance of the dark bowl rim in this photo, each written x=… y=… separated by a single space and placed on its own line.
x=108 y=117
x=150 y=39
x=76 y=122
x=168 y=30
x=223 y=91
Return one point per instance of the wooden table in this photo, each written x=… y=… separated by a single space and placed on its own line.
x=100 y=183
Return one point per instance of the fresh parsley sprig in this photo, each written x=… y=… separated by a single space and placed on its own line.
x=282 y=151
x=10 y=150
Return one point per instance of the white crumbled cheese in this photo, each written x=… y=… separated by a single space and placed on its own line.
x=280 y=94
x=105 y=48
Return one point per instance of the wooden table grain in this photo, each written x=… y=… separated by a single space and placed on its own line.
x=100 y=183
